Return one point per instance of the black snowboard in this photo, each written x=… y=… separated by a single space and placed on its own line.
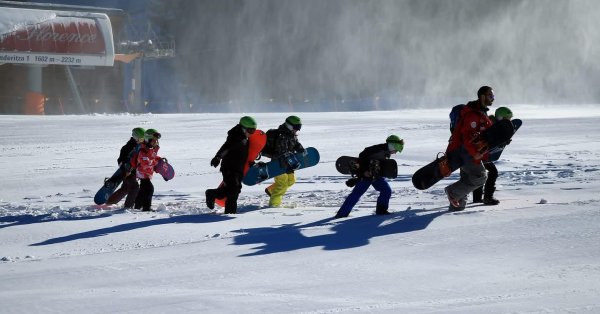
x=497 y=135
x=380 y=168
x=497 y=152
x=436 y=170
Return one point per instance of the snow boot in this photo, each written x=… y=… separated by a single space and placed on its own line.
x=455 y=204
x=488 y=198
x=381 y=210
x=210 y=199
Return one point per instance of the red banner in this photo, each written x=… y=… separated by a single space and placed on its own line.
x=70 y=35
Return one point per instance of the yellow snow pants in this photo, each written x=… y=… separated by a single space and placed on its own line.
x=279 y=187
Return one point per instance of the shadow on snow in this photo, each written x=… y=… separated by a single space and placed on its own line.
x=135 y=225
x=28 y=219
x=345 y=234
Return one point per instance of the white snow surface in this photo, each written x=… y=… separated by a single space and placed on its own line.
x=536 y=252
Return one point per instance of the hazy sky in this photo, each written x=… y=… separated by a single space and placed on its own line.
x=529 y=51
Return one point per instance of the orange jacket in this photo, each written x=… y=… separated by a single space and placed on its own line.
x=473 y=119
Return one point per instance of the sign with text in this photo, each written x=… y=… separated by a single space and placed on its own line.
x=82 y=39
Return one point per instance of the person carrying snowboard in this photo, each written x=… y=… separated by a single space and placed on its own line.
x=285 y=143
x=144 y=161
x=368 y=177
x=473 y=120
x=232 y=156
x=130 y=185
x=485 y=194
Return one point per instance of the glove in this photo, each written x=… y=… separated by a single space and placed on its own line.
x=215 y=161
x=351 y=182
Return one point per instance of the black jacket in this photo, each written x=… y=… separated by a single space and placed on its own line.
x=375 y=152
x=286 y=142
x=126 y=150
x=234 y=151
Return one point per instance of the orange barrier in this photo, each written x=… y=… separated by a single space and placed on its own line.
x=34 y=103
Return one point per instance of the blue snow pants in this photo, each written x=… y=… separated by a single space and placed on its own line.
x=385 y=192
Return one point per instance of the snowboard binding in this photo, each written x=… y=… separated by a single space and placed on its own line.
x=444 y=165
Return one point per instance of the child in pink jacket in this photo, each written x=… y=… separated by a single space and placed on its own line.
x=144 y=162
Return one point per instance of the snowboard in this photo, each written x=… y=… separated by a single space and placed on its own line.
x=109 y=186
x=263 y=171
x=496 y=152
x=164 y=168
x=495 y=136
x=380 y=168
x=256 y=142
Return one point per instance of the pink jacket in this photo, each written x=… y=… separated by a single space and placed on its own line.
x=144 y=161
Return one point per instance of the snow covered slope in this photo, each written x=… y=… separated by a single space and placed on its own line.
x=536 y=252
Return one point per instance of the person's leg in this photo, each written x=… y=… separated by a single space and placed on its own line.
x=478 y=195
x=218 y=193
x=277 y=189
x=133 y=188
x=385 y=192
x=118 y=195
x=142 y=196
x=232 y=189
x=490 y=185
x=472 y=176
x=147 y=199
x=359 y=189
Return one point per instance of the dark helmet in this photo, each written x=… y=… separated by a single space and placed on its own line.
x=294 y=122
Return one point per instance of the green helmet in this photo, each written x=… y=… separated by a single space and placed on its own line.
x=151 y=133
x=294 y=122
x=248 y=122
x=138 y=133
x=503 y=113
x=397 y=143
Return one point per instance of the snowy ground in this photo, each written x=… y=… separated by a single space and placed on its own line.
x=537 y=252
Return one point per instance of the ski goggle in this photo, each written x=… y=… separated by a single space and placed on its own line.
x=250 y=131
x=153 y=136
x=295 y=127
x=397 y=146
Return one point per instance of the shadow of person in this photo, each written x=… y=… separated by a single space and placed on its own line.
x=27 y=219
x=345 y=234
x=135 y=225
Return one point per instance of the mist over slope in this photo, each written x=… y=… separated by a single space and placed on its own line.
x=412 y=52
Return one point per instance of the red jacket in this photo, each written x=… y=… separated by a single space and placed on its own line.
x=473 y=119
x=144 y=161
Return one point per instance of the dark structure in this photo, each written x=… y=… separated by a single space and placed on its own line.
x=64 y=89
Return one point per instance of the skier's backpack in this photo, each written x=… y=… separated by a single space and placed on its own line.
x=455 y=114
x=269 y=148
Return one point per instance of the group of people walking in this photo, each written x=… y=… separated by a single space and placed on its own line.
x=477 y=175
x=137 y=160
x=233 y=155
